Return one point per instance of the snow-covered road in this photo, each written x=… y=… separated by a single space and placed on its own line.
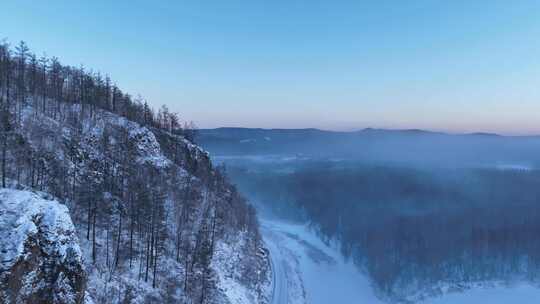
x=305 y=270
x=279 y=279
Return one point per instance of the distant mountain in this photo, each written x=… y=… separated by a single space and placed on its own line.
x=410 y=145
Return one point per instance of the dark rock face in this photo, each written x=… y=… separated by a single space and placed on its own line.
x=40 y=257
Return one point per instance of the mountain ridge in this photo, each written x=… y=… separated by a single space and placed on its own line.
x=360 y=131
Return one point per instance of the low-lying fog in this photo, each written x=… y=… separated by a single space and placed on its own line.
x=419 y=214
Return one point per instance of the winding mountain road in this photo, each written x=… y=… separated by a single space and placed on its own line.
x=279 y=277
x=306 y=270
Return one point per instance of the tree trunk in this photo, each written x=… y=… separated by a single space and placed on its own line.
x=4 y=150
x=155 y=264
x=117 y=257
x=94 y=238
x=148 y=253
x=131 y=228
x=89 y=219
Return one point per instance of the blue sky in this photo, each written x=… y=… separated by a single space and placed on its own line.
x=455 y=66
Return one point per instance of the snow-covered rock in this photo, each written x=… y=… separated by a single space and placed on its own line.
x=40 y=259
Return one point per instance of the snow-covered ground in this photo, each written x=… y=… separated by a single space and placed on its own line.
x=306 y=270
x=521 y=293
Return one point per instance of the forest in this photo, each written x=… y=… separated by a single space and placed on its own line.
x=147 y=202
x=411 y=229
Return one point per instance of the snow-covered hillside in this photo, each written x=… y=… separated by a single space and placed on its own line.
x=157 y=223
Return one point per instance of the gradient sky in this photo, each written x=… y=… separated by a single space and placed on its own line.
x=456 y=66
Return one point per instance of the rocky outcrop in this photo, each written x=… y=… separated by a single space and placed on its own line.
x=40 y=259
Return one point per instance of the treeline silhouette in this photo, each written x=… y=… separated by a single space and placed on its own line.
x=24 y=75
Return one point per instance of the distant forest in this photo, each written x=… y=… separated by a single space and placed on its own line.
x=407 y=226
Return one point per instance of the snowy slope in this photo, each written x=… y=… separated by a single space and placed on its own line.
x=88 y=163
x=229 y=264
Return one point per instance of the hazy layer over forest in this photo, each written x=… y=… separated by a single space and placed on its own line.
x=415 y=210
x=411 y=147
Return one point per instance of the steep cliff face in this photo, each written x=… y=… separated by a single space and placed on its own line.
x=157 y=223
x=40 y=258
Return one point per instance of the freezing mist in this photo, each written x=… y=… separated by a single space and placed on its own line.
x=419 y=214
x=411 y=147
